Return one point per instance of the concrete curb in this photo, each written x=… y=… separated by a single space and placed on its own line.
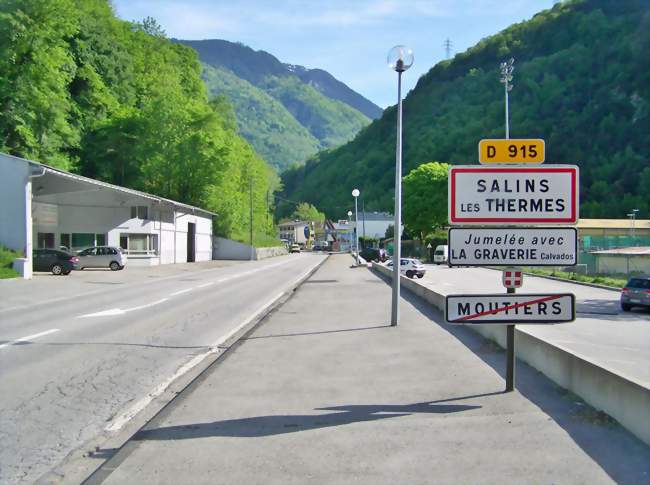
x=622 y=398
x=555 y=278
x=81 y=467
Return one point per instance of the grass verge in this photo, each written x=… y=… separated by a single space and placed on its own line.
x=6 y=258
x=617 y=281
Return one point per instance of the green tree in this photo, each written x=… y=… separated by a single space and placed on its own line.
x=425 y=199
x=36 y=67
x=307 y=212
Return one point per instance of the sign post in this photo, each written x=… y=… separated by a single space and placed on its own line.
x=511 y=188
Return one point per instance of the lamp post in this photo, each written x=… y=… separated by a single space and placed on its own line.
x=350 y=219
x=400 y=58
x=355 y=194
x=632 y=215
x=507 y=69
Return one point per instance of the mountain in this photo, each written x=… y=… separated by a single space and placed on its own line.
x=581 y=82
x=287 y=112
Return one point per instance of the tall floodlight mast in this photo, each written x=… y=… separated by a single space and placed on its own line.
x=507 y=69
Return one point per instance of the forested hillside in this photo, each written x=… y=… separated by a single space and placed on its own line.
x=581 y=82
x=329 y=112
x=87 y=92
x=264 y=121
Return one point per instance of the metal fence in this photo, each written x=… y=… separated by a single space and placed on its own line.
x=589 y=244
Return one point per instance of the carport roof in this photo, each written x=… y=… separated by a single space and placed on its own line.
x=79 y=178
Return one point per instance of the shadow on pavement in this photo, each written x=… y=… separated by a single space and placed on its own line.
x=620 y=454
x=281 y=424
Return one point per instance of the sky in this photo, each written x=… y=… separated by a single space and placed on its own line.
x=348 y=38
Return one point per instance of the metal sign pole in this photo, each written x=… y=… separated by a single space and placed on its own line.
x=510 y=354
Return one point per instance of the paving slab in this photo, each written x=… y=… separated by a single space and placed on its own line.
x=325 y=391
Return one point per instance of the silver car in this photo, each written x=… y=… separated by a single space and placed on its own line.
x=101 y=257
x=636 y=293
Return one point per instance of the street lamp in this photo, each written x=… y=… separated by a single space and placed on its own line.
x=355 y=194
x=350 y=220
x=400 y=58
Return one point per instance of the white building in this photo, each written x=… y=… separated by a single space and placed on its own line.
x=374 y=224
x=296 y=231
x=45 y=207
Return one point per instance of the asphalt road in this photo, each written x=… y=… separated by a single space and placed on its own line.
x=78 y=352
x=602 y=333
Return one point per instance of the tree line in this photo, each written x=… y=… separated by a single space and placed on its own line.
x=87 y=92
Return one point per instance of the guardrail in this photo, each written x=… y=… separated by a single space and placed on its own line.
x=623 y=399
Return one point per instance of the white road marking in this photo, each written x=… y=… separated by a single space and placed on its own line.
x=29 y=337
x=147 y=305
x=119 y=422
x=119 y=311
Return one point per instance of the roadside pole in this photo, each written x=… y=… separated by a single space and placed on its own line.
x=250 y=200
x=510 y=354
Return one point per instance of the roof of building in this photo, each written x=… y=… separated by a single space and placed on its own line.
x=631 y=251
x=81 y=178
x=376 y=216
x=613 y=224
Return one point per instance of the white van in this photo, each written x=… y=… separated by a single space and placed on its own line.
x=441 y=254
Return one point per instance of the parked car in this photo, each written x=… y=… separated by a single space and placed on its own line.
x=373 y=254
x=58 y=262
x=410 y=267
x=441 y=254
x=101 y=257
x=295 y=248
x=320 y=247
x=636 y=293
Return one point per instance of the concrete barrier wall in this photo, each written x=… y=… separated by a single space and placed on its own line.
x=228 y=249
x=626 y=401
x=263 y=253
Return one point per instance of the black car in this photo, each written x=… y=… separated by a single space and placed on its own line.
x=636 y=293
x=373 y=254
x=58 y=262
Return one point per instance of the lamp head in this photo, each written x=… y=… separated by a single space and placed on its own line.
x=355 y=193
x=349 y=213
x=400 y=58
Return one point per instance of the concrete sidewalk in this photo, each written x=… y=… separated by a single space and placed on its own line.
x=324 y=391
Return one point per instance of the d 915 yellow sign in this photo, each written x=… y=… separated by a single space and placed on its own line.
x=511 y=151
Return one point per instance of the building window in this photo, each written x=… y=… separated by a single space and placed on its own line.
x=65 y=240
x=82 y=240
x=45 y=240
x=140 y=212
x=100 y=239
x=139 y=244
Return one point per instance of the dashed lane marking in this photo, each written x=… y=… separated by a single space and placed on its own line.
x=29 y=337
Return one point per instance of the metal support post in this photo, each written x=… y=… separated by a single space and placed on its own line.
x=510 y=354
x=397 y=236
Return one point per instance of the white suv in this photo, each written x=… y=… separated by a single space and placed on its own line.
x=410 y=267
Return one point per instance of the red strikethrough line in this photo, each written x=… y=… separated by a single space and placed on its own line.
x=510 y=307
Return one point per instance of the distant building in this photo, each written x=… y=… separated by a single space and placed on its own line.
x=623 y=260
x=374 y=224
x=296 y=232
x=614 y=227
